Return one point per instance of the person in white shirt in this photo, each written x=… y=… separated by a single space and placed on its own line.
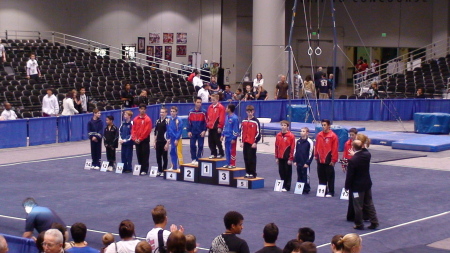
x=198 y=83
x=258 y=81
x=2 y=53
x=158 y=233
x=33 y=71
x=203 y=93
x=50 y=105
x=68 y=107
x=8 y=114
x=128 y=243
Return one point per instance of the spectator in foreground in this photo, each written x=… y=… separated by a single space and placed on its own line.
x=191 y=243
x=308 y=247
x=53 y=241
x=228 y=241
x=157 y=237
x=306 y=235
x=128 y=243
x=334 y=241
x=292 y=246
x=270 y=235
x=350 y=243
x=143 y=247
x=107 y=239
x=3 y=245
x=176 y=243
x=78 y=232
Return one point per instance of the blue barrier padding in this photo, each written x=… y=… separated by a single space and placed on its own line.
x=63 y=128
x=432 y=123
x=20 y=244
x=13 y=133
x=42 y=130
x=300 y=113
x=76 y=127
x=428 y=143
x=341 y=133
x=86 y=117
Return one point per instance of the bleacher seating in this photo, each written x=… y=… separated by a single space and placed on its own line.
x=64 y=68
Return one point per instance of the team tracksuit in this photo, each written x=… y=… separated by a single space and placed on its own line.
x=196 y=125
x=174 y=131
x=230 y=133
x=160 y=142
x=127 y=145
x=304 y=154
x=142 y=127
x=250 y=133
x=95 y=129
x=326 y=151
x=215 y=119
x=284 y=152
x=111 y=141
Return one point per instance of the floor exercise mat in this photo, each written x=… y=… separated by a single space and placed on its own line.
x=379 y=156
x=428 y=143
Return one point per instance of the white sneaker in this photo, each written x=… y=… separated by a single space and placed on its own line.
x=110 y=168
x=246 y=175
x=143 y=173
x=219 y=156
x=96 y=168
x=212 y=157
x=226 y=166
x=194 y=162
x=283 y=190
x=328 y=196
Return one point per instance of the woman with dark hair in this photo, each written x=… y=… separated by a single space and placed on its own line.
x=309 y=88
x=261 y=94
x=176 y=243
x=68 y=105
x=127 y=244
x=292 y=246
x=258 y=82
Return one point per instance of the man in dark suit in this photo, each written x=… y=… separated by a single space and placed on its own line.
x=359 y=184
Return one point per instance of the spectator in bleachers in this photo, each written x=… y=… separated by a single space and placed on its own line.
x=8 y=114
x=33 y=71
x=420 y=94
x=143 y=247
x=142 y=98
x=238 y=95
x=214 y=69
x=374 y=90
x=127 y=96
x=95 y=132
x=76 y=101
x=249 y=94
x=324 y=88
x=334 y=241
x=84 y=101
x=228 y=241
x=2 y=54
x=128 y=243
x=270 y=235
x=50 y=106
x=258 y=82
x=198 y=83
x=281 y=89
x=298 y=91
x=158 y=234
x=192 y=75
x=306 y=235
x=262 y=94
x=309 y=87
x=3 y=245
x=78 y=232
x=350 y=243
x=191 y=244
x=214 y=86
x=126 y=142
x=203 y=93
x=227 y=94
x=107 y=239
x=176 y=243
x=68 y=105
x=38 y=217
x=308 y=247
x=53 y=241
x=111 y=141
x=140 y=134
x=293 y=246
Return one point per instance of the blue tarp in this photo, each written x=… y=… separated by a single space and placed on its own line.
x=432 y=123
x=63 y=128
x=42 y=130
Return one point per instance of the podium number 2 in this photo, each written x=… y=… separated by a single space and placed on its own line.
x=188 y=173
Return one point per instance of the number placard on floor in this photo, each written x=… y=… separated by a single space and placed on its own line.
x=242 y=184
x=344 y=194
x=189 y=174
x=171 y=176
x=278 y=185
x=206 y=169
x=321 y=190
x=104 y=167
x=153 y=171
x=224 y=177
x=299 y=186
x=119 y=168
x=137 y=170
x=88 y=164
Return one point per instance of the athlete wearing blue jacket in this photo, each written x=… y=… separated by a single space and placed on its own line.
x=95 y=132
x=304 y=154
x=230 y=133
x=126 y=142
x=174 y=131
x=196 y=129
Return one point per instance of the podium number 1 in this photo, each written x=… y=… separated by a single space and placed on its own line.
x=206 y=169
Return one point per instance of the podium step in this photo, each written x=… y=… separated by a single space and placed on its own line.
x=250 y=183
x=174 y=175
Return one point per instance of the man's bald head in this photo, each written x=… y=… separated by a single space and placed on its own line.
x=357 y=145
x=3 y=245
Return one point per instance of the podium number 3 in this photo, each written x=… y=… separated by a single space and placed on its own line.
x=224 y=176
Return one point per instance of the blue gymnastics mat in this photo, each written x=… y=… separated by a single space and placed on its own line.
x=428 y=143
x=296 y=126
x=386 y=138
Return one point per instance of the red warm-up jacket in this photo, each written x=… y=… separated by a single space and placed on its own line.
x=284 y=146
x=347 y=148
x=327 y=145
x=142 y=126
x=215 y=117
x=250 y=131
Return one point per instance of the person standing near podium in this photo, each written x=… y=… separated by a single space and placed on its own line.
x=140 y=134
x=215 y=121
x=250 y=136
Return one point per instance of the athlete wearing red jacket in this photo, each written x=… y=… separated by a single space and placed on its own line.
x=215 y=120
x=326 y=154
x=140 y=134
x=250 y=135
x=284 y=154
